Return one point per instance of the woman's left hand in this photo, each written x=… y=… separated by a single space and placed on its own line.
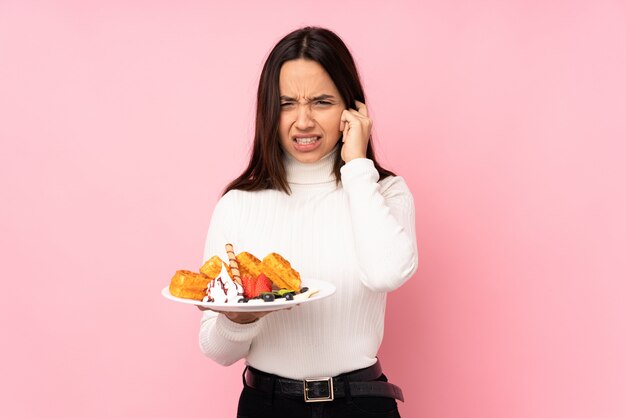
x=356 y=127
x=239 y=317
x=242 y=317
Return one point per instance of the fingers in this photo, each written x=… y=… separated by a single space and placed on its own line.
x=239 y=316
x=361 y=108
x=358 y=116
x=351 y=116
x=348 y=116
x=356 y=127
x=344 y=124
x=245 y=317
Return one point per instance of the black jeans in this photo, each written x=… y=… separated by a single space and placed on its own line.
x=257 y=404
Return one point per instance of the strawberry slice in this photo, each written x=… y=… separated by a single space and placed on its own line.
x=263 y=284
x=249 y=284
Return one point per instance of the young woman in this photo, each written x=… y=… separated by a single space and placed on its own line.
x=314 y=193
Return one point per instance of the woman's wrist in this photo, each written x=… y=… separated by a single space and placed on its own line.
x=354 y=157
x=242 y=318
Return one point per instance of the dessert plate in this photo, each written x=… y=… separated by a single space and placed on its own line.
x=325 y=289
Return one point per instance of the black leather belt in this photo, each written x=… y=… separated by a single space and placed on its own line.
x=320 y=389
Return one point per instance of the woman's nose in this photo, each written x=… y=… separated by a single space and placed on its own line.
x=304 y=119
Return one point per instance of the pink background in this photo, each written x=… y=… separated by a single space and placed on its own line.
x=120 y=122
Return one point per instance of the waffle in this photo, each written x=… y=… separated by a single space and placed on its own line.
x=249 y=264
x=279 y=271
x=189 y=285
x=213 y=267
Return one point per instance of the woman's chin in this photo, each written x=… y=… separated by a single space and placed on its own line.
x=307 y=153
x=307 y=158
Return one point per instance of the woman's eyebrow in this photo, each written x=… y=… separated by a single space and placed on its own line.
x=323 y=97
x=320 y=97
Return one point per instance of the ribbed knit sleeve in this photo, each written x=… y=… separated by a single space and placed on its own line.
x=383 y=223
x=220 y=338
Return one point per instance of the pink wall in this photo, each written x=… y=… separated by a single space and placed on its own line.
x=121 y=121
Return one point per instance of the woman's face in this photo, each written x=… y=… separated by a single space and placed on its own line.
x=310 y=112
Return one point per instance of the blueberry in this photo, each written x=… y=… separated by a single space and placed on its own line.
x=289 y=296
x=268 y=297
x=304 y=289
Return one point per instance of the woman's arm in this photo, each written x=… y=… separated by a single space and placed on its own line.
x=225 y=341
x=220 y=338
x=383 y=223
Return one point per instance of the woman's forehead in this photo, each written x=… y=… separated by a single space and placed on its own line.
x=305 y=78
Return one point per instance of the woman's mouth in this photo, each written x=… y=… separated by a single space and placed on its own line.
x=307 y=140
x=306 y=143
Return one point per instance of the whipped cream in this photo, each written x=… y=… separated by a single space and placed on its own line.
x=223 y=289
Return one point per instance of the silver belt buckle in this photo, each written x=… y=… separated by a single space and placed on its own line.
x=331 y=394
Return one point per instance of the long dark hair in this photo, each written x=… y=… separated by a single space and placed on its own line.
x=265 y=169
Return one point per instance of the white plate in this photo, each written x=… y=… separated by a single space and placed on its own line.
x=325 y=289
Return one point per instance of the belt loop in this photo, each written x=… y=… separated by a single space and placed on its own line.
x=243 y=377
x=346 y=388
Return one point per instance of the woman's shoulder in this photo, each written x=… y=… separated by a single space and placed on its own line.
x=231 y=197
x=235 y=196
x=394 y=186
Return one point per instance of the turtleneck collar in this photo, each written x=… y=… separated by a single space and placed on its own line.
x=310 y=173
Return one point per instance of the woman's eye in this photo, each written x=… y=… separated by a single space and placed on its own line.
x=287 y=104
x=322 y=103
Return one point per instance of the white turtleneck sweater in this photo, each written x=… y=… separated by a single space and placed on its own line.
x=358 y=235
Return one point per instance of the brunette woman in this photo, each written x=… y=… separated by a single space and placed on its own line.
x=314 y=192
